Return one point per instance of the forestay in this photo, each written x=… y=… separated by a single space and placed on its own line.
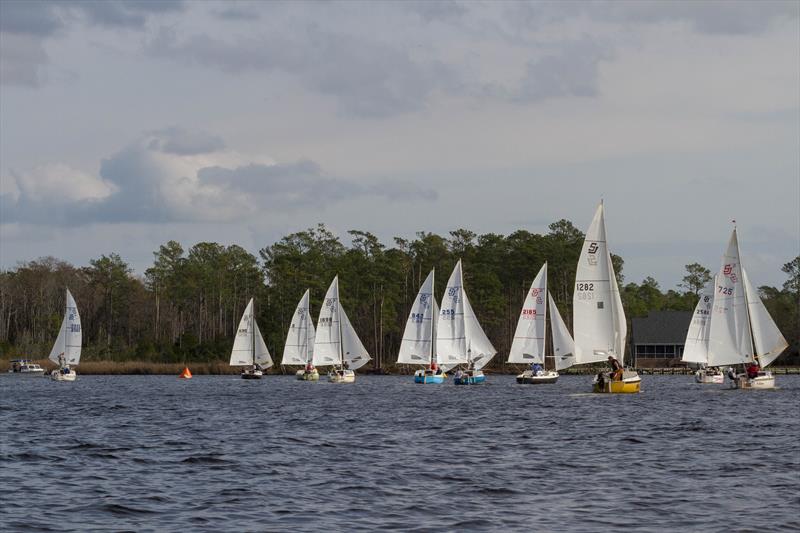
x=70 y=337
x=299 y=345
x=769 y=341
x=695 y=349
x=563 y=345
x=326 y=342
x=529 y=338
x=416 y=347
x=599 y=320
x=729 y=339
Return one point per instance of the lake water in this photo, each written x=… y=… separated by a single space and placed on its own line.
x=221 y=453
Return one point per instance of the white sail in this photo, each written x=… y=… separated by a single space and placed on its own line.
x=768 y=339
x=415 y=348
x=599 y=321
x=451 y=341
x=479 y=348
x=70 y=336
x=327 y=349
x=261 y=353
x=299 y=345
x=563 y=345
x=242 y=352
x=695 y=349
x=729 y=339
x=354 y=352
x=529 y=337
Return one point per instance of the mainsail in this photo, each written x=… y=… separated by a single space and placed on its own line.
x=563 y=345
x=599 y=320
x=768 y=339
x=529 y=338
x=416 y=347
x=729 y=338
x=68 y=342
x=248 y=345
x=336 y=341
x=459 y=336
x=695 y=349
x=299 y=345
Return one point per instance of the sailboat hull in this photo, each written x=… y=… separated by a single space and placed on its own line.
x=528 y=378
x=420 y=376
x=252 y=374
x=629 y=384
x=302 y=375
x=702 y=376
x=60 y=375
x=342 y=376
x=466 y=379
x=764 y=381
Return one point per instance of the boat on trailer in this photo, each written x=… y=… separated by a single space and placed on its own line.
x=598 y=317
x=529 y=344
x=299 y=347
x=336 y=342
x=249 y=349
x=66 y=350
x=741 y=331
x=460 y=339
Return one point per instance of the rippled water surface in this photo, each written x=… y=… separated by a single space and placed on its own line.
x=221 y=453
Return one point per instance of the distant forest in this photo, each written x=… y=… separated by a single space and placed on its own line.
x=187 y=305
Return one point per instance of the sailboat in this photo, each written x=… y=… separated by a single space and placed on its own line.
x=460 y=339
x=336 y=342
x=418 y=346
x=67 y=348
x=249 y=348
x=528 y=346
x=598 y=318
x=741 y=331
x=299 y=347
x=695 y=348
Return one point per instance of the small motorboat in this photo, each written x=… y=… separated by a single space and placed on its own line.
x=540 y=377
x=25 y=367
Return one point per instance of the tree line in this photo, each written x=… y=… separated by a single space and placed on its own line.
x=187 y=305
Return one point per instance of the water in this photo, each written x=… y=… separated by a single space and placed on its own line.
x=220 y=453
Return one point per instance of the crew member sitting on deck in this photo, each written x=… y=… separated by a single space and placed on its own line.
x=752 y=370
x=536 y=369
x=616 y=368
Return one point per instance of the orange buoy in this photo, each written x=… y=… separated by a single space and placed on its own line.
x=186 y=374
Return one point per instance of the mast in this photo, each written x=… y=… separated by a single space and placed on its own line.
x=306 y=318
x=253 y=333
x=433 y=319
x=66 y=316
x=746 y=302
x=339 y=320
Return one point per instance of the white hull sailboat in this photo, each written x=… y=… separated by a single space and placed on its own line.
x=598 y=318
x=299 y=347
x=528 y=346
x=695 y=348
x=336 y=342
x=741 y=331
x=249 y=349
x=66 y=350
x=460 y=339
x=418 y=346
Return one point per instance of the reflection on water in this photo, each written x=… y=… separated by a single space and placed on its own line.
x=221 y=453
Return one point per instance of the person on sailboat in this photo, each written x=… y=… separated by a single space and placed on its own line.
x=752 y=370
x=616 y=368
x=536 y=369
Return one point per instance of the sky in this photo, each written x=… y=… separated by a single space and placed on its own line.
x=127 y=124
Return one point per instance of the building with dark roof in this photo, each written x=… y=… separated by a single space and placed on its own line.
x=657 y=340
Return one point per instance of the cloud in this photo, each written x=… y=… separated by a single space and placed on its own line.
x=172 y=175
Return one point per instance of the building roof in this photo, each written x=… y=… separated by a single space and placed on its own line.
x=661 y=327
